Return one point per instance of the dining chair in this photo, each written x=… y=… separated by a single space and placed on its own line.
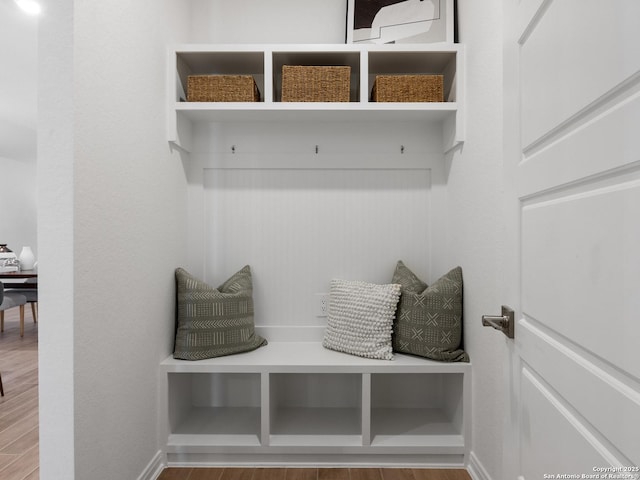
x=31 y=294
x=10 y=300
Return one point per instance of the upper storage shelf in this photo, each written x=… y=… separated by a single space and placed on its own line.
x=264 y=63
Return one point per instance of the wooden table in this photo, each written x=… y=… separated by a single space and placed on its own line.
x=7 y=277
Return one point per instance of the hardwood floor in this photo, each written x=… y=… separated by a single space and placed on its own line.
x=313 y=474
x=19 y=406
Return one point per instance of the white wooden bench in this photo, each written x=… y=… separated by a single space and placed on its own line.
x=299 y=403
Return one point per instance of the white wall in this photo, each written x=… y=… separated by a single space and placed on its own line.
x=18 y=198
x=18 y=57
x=56 y=227
x=276 y=21
x=111 y=219
x=476 y=225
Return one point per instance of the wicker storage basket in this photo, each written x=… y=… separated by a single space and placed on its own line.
x=408 y=88
x=315 y=84
x=222 y=88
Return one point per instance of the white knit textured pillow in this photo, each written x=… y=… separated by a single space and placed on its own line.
x=361 y=318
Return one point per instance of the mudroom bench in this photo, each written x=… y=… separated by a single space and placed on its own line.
x=299 y=403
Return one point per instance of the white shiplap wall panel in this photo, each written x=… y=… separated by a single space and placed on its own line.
x=300 y=228
x=355 y=139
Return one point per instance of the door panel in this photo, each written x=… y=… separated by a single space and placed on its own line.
x=576 y=275
x=572 y=57
x=571 y=446
x=610 y=135
x=572 y=182
x=596 y=393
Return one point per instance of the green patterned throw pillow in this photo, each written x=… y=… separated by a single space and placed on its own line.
x=408 y=280
x=429 y=319
x=213 y=322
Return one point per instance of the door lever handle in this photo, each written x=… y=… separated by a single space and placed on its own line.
x=504 y=323
x=494 y=321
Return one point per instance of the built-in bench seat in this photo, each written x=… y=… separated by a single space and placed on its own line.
x=298 y=401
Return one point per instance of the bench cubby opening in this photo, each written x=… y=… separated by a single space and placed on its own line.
x=315 y=409
x=215 y=408
x=411 y=408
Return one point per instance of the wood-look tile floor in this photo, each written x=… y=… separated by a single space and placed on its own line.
x=19 y=406
x=182 y=473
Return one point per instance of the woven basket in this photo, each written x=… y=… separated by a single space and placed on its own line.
x=408 y=88
x=315 y=84
x=222 y=88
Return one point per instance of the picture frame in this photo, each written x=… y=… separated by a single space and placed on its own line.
x=400 y=21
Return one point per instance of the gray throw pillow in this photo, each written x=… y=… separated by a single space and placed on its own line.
x=213 y=322
x=360 y=318
x=408 y=280
x=429 y=320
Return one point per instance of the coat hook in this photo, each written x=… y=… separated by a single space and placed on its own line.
x=316 y=148
x=233 y=149
x=401 y=148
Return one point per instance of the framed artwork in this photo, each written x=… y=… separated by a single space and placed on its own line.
x=399 y=21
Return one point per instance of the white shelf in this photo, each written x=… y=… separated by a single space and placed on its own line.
x=314 y=423
x=410 y=426
x=210 y=440
x=317 y=112
x=264 y=63
x=241 y=422
x=432 y=444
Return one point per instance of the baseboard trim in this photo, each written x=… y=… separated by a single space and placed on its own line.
x=476 y=469
x=154 y=468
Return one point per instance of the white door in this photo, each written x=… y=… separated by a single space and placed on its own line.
x=572 y=162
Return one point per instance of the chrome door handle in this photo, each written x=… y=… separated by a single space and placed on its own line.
x=504 y=323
